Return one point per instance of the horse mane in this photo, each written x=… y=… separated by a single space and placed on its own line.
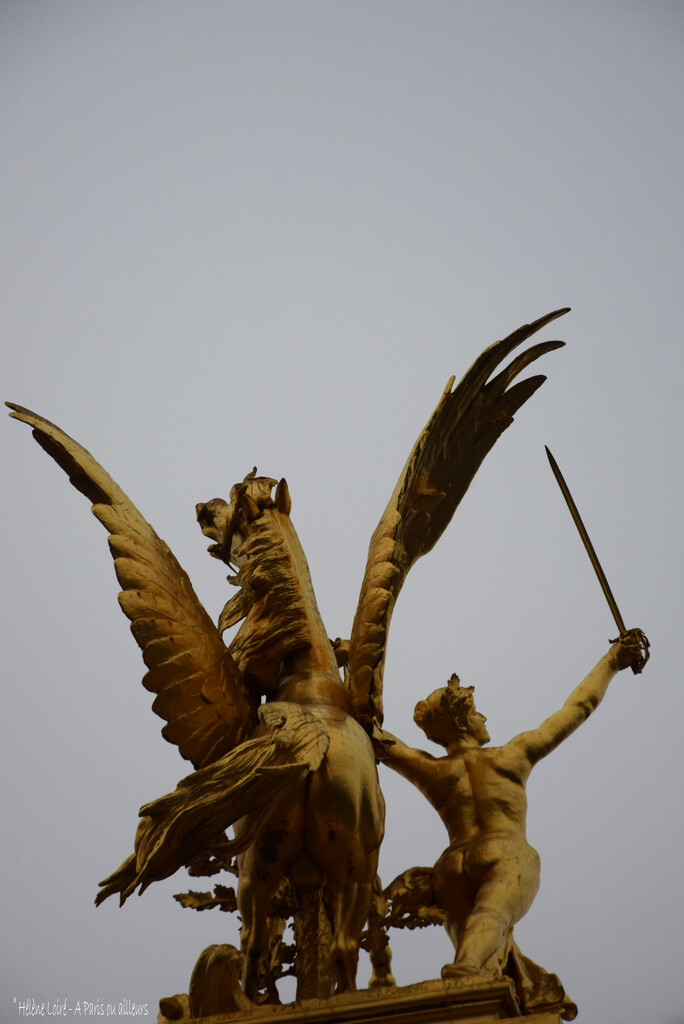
x=272 y=601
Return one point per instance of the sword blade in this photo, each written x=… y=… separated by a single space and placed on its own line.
x=582 y=530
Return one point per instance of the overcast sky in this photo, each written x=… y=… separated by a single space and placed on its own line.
x=242 y=233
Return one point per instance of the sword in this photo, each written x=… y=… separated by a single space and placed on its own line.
x=635 y=635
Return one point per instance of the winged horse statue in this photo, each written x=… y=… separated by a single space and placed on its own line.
x=278 y=737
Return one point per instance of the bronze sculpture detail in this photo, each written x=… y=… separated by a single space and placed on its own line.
x=487 y=878
x=278 y=722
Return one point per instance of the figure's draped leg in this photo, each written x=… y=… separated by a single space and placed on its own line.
x=453 y=893
x=483 y=942
x=504 y=895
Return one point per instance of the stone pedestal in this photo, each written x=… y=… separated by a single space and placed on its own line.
x=430 y=1002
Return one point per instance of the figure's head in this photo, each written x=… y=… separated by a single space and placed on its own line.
x=227 y=523
x=449 y=715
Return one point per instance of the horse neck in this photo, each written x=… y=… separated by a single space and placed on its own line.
x=317 y=658
x=282 y=644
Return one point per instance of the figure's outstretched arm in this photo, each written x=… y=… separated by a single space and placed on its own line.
x=582 y=701
x=415 y=765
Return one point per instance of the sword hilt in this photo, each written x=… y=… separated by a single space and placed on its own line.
x=637 y=642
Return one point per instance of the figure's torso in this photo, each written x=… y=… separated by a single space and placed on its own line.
x=479 y=792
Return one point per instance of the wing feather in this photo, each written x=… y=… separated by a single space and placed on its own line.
x=463 y=428
x=200 y=692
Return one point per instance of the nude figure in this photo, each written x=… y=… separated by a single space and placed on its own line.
x=487 y=878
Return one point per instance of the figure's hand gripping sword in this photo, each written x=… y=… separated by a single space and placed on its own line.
x=634 y=636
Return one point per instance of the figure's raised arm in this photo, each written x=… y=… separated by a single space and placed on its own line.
x=537 y=743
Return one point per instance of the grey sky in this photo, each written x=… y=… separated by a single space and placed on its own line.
x=250 y=232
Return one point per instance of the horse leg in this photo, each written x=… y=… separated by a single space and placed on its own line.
x=345 y=825
x=352 y=905
x=254 y=897
x=260 y=869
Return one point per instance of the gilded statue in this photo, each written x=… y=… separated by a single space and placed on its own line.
x=486 y=879
x=277 y=722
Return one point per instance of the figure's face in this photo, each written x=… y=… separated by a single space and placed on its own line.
x=477 y=727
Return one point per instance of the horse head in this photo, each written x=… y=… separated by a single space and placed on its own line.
x=282 y=630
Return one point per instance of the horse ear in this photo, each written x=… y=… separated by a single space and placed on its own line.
x=250 y=508
x=283 y=501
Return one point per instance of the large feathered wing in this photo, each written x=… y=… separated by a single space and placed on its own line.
x=246 y=784
x=200 y=692
x=462 y=429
